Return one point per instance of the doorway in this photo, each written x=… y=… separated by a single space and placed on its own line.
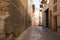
x=47 y=17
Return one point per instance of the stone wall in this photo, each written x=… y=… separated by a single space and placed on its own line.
x=58 y=15
x=54 y=17
x=18 y=21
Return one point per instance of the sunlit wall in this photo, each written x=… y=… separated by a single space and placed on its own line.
x=36 y=13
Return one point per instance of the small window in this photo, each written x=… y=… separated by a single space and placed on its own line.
x=55 y=8
x=40 y=10
x=55 y=1
x=33 y=8
x=50 y=11
x=41 y=5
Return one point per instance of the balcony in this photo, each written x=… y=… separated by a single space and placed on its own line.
x=44 y=1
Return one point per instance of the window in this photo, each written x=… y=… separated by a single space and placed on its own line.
x=44 y=1
x=55 y=8
x=33 y=8
x=41 y=5
x=40 y=10
x=55 y=1
x=50 y=13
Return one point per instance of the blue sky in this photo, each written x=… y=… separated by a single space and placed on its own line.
x=36 y=2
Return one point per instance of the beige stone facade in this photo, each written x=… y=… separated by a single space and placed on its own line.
x=17 y=21
x=58 y=15
x=51 y=13
x=54 y=15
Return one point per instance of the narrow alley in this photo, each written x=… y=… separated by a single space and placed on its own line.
x=29 y=19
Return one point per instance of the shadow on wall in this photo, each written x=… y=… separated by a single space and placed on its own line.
x=18 y=20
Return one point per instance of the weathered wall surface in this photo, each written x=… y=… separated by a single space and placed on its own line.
x=18 y=20
x=58 y=15
x=51 y=14
x=54 y=16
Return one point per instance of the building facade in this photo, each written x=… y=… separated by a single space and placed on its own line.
x=17 y=21
x=53 y=14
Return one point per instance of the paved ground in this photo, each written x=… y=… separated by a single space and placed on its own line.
x=38 y=33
